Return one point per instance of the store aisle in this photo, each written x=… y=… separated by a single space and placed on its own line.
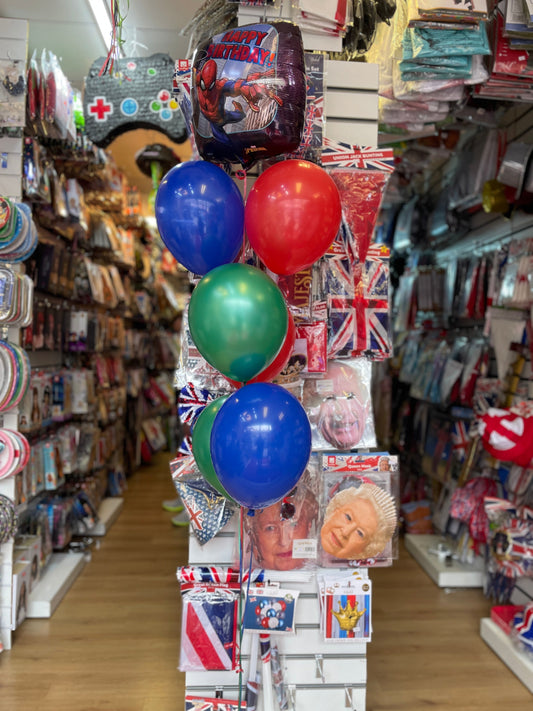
x=113 y=642
x=426 y=651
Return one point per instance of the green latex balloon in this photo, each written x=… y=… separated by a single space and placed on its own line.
x=201 y=443
x=238 y=320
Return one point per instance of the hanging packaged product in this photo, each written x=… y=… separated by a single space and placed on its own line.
x=510 y=546
x=270 y=609
x=284 y=536
x=18 y=234
x=346 y=607
x=209 y=626
x=208 y=510
x=15 y=372
x=14 y=453
x=193 y=703
x=338 y=406
x=359 y=510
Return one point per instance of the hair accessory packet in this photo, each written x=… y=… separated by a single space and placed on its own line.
x=15 y=370
x=16 y=298
x=18 y=234
x=339 y=406
x=359 y=510
x=14 y=453
x=194 y=703
x=8 y=519
x=208 y=510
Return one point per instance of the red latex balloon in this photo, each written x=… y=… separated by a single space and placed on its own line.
x=279 y=362
x=292 y=215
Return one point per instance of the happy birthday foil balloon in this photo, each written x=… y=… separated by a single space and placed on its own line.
x=249 y=93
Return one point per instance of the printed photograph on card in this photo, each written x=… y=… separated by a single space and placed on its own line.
x=284 y=536
x=358 y=510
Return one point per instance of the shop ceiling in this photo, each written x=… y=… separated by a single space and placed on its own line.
x=69 y=29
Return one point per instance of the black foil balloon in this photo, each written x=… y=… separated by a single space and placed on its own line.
x=249 y=93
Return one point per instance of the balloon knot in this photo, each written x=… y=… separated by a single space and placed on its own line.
x=240 y=174
x=250 y=512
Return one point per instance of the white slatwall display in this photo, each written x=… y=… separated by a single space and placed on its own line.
x=319 y=675
x=13 y=47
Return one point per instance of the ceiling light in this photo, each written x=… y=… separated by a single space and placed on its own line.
x=103 y=20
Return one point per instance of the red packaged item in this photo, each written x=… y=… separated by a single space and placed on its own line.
x=503 y=616
x=315 y=336
x=361 y=193
x=296 y=289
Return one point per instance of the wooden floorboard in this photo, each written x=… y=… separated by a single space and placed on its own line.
x=113 y=643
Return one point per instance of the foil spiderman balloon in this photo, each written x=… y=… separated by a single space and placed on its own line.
x=212 y=93
x=249 y=93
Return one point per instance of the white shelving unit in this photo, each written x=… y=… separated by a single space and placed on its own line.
x=58 y=578
x=108 y=513
x=13 y=47
x=501 y=645
x=456 y=575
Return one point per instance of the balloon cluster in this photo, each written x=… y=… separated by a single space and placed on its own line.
x=254 y=445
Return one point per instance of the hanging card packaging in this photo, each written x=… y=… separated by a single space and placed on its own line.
x=284 y=536
x=346 y=608
x=209 y=627
x=208 y=510
x=359 y=510
x=270 y=609
x=338 y=406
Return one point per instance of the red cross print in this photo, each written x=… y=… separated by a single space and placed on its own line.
x=195 y=514
x=100 y=108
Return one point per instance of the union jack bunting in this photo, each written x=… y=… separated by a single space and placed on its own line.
x=199 y=703
x=338 y=277
x=342 y=326
x=375 y=279
x=460 y=440
x=192 y=401
x=336 y=153
x=216 y=574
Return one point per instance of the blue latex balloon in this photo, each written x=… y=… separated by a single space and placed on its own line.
x=260 y=444
x=200 y=216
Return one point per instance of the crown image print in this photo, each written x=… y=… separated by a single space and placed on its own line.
x=348 y=616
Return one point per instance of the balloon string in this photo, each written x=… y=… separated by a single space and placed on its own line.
x=241 y=630
x=242 y=175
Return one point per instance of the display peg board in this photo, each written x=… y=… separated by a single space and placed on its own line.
x=456 y=575
x=321 y=675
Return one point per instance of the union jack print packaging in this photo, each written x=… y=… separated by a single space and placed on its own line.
x=359 y=510
x=209 y=626
x=339 y=407
x=208 y=510
x=201 y=703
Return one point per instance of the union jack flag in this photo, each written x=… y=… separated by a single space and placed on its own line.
x=336 y=153
x=208 y=633
x=460 y=440
x=216 y=574
x=192 y=401
x=376 y=274
x=200 y=703
x=342 y=326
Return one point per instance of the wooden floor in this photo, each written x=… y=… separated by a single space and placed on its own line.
x=113 y=643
